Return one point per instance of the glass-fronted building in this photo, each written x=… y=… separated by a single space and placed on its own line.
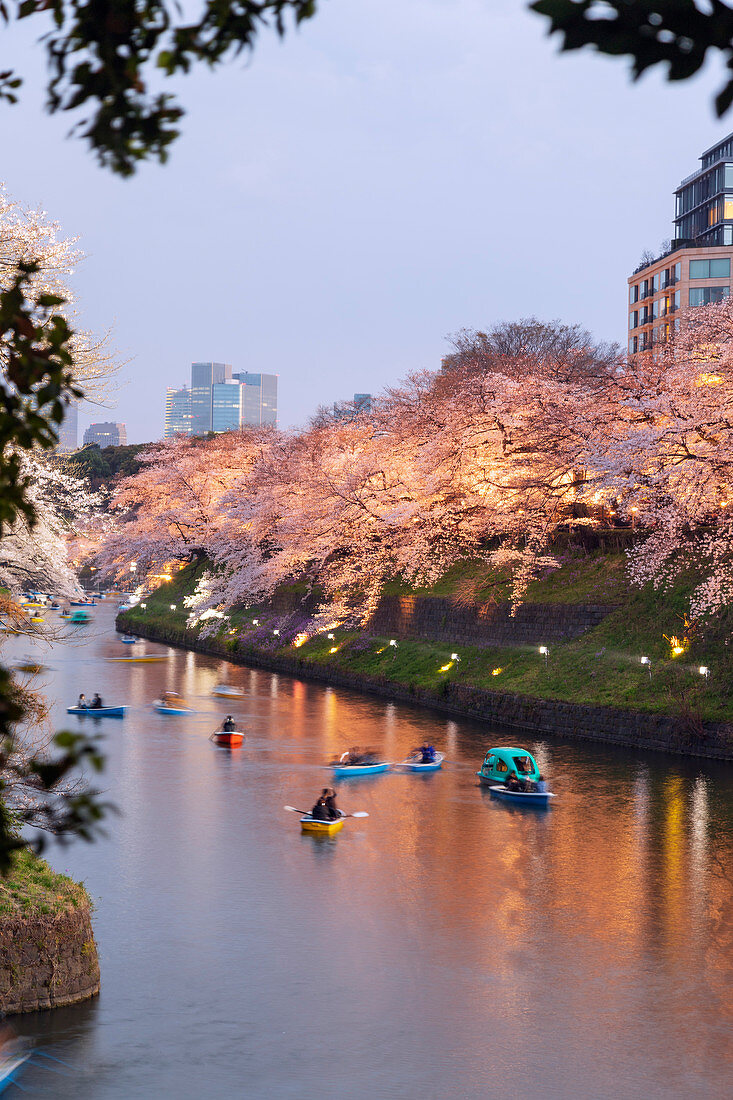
x=227 y=406
x=259 y=399
x=106 y=434
x=203 y=377
x=69 y=430
x=177 y=412
x=696 y=271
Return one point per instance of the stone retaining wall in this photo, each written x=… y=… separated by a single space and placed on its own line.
x=47 y=961
x=584 y=722
x=446 y=620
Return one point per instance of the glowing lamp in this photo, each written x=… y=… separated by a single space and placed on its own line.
x=276 y=632
x=645 y=661
x=255 y=622
x=454 y=657
x=333 y=649
x=330 y=636
x=544 y=651
x=143 y=605
x=173 y=607
x=704 y=671
x=392 y=641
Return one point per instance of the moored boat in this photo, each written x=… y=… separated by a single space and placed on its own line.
x=413 y=764
x=98 y=712
x=343 y=771
x=309 y=824
x=539 y=799
x=141 y=659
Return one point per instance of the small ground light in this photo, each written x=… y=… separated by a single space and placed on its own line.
x=646 y=661
x=173 y=607
x=330 y=636
x=143 y=605
x=704 y=671
x=255 y=622
x=545 y=652
x=454 y=657
x=276 y=632
x=392 y=641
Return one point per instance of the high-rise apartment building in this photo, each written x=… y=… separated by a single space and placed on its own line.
x=106 y=434
x=259 y=398
x=697 y=268
x=204 y=376
x=348 y=410
x=177 y=412
x=69 y=430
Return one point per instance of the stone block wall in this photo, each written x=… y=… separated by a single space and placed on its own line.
x=445 y=620
x=47 y=961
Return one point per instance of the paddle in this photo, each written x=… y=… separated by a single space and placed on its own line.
x=307 y=813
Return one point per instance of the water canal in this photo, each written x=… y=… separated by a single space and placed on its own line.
x=448 y=946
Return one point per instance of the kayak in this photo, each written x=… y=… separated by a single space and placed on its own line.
x=9 y=1067
x=343 y=771
x=98 y=712
x=413 y=765
x=312 y=825
x=229 y=738
x=163 y=708
x=227 y=691
x=538 y=799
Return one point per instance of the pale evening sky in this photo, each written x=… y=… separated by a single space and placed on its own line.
x=393 y=171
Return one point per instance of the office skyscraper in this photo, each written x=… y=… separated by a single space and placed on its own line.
x=259 y=399
x=204 y=376
x=177 y=412
x=226 y=406
x=106 y=434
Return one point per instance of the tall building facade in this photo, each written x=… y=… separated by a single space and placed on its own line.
x=259 y=399
x=69 y=430
x=204 y=376
x=106 y=434
x=226 y=406
x=177 y=412
x=697 y=269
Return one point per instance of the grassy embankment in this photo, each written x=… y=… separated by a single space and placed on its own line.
x=601 y=667
x=32 y=888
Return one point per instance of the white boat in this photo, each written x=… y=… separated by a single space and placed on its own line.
x=227 y=691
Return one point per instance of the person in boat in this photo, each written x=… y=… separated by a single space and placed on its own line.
x=333 y=811
x=427 y=753
x=512 y=783
x=172 y=699
x=228 y=725
x=82 y=703
x=541 y=785
x=96 y=702
x=320 y=810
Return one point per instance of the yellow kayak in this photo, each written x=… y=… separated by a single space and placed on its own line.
x=310 y=824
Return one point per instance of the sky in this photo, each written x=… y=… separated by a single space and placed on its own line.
x=344 y=200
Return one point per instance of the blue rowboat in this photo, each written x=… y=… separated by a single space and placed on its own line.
x=163 y=708
x=128 y=640
x=412 y=764
x=343 y=771
x=538 y=799
x=82 y=603
x=10 y=1067
x=98 y=712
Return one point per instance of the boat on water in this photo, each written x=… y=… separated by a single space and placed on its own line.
x=141 y=658
x=314 y=825
x=539 y=799
x=37 y=619
x=10 y=1067
x=344 y=771
x=501 y=763
x=230 y=739
x=414 y=764
x=79 y=617
x=227 y=691
x=98 y=712
x=128 y=639
x=82 y=603
x=170 y=706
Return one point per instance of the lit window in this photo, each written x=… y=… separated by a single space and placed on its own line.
x=728 y=208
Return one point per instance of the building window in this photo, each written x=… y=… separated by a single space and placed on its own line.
x=634 y=293
x=705 y=295
x=677 y=272
x=634 y=319
x=710 y=269
x=633 y=345
x=655 y=283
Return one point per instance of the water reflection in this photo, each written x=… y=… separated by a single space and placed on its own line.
x=452 y=943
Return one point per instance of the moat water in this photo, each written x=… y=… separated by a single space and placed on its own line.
x=447 y=946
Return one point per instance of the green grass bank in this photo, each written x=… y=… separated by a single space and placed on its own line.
x=597 y=675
